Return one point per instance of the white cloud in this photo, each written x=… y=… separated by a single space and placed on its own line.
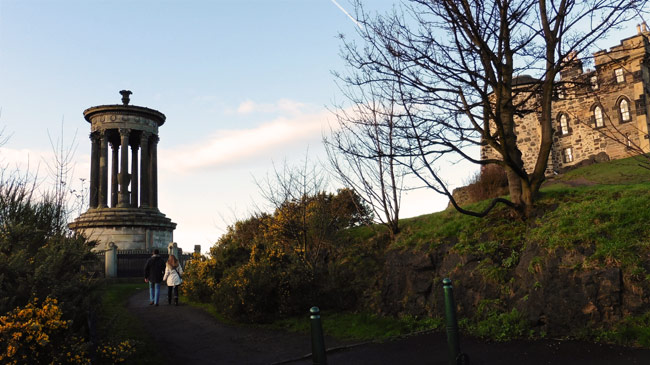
x=281 y=106
x=228 y=146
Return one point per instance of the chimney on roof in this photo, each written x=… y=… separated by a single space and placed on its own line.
x=572 y=65
x=638 y=29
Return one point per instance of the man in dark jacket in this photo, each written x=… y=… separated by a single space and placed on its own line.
x=153 y=274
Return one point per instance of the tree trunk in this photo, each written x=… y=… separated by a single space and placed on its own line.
x=514 y=186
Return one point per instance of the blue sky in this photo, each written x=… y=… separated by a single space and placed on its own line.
x=244 y=84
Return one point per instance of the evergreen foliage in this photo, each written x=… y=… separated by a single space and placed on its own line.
x=41 y=258
x=280 y=264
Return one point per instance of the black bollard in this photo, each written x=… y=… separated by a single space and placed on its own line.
x=452 y=323
x=317 y=341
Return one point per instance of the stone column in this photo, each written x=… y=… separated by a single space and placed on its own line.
x=114 y=169
x=144 y=169
x=110 y=261
x=124 y=169
x=103 y=170
x=94 y=171
x=134 y=175
x=154 y=172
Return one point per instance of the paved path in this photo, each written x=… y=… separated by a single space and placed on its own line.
x=188 y=336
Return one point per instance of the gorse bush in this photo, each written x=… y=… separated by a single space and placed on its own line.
x=40 y=257
x=280 y=264
x=36 y=333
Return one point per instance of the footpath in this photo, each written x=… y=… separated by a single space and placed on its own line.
x=188 y=335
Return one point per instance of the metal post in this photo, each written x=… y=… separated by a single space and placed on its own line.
x=317 y=341
x=452 y=323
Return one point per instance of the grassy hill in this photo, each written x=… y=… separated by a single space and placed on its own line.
x=580 y=266
x=605 y=204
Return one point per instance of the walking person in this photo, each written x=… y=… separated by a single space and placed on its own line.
x=153 y=274
x=173 y=272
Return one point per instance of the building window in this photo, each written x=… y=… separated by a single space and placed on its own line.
x=567 y=155
x=619 y=75
x=564 y=125
x=598 y=117
x=594 y=82
x=628 y=141
x=624 y=110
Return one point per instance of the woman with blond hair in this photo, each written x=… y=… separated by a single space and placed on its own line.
x=173 y=272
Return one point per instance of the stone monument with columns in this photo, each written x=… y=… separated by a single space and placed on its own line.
x=124 y=211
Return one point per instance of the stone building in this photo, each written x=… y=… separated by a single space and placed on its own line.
x=596 y=112
x=123 y=207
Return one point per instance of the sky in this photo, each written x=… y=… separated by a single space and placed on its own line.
x=244 y=84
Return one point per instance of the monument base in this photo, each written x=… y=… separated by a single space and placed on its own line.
x=128 y=228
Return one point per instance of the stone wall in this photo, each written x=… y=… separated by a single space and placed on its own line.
x=553 y=291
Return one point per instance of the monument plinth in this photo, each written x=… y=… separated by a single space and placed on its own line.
x=130 y=218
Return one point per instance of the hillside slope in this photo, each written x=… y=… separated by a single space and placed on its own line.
x=582 y=262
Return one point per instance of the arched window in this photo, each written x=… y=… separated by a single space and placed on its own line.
x=564 y=124
x=624 y=110
x=598 y=117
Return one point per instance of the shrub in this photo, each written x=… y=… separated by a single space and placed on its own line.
x=263 y=290
x=266 y=266
x=39 y=257
x=38 y=334
x=491 y=182
x=198 y=278
x=491 y=322
x=248 y=293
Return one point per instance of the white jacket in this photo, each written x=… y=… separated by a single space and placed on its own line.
x=172 y=276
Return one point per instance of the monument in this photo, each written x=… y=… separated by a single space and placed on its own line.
x=125 y=212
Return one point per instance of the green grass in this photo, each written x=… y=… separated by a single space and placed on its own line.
x=116 y=323
x=610 y=218
x=633 y=330
x=625 y=171
x=209 y=308
x=362 y=326
x=343 y=326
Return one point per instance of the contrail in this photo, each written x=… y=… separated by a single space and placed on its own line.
x=348 y=14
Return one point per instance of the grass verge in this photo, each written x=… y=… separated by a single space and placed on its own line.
x=362 y=326
x=117 y=324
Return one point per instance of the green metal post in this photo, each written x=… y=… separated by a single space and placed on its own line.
x=317 y=341
x=452 y=323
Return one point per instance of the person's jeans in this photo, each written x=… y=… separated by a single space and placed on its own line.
x=154 y=292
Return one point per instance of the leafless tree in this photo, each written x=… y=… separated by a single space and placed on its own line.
x=291 y=183
x=362 y=149
x=60 y=171
x=458 y=66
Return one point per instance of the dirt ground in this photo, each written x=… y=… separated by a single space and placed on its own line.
x=189 y=335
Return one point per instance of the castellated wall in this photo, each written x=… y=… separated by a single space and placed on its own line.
x=619 y=87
